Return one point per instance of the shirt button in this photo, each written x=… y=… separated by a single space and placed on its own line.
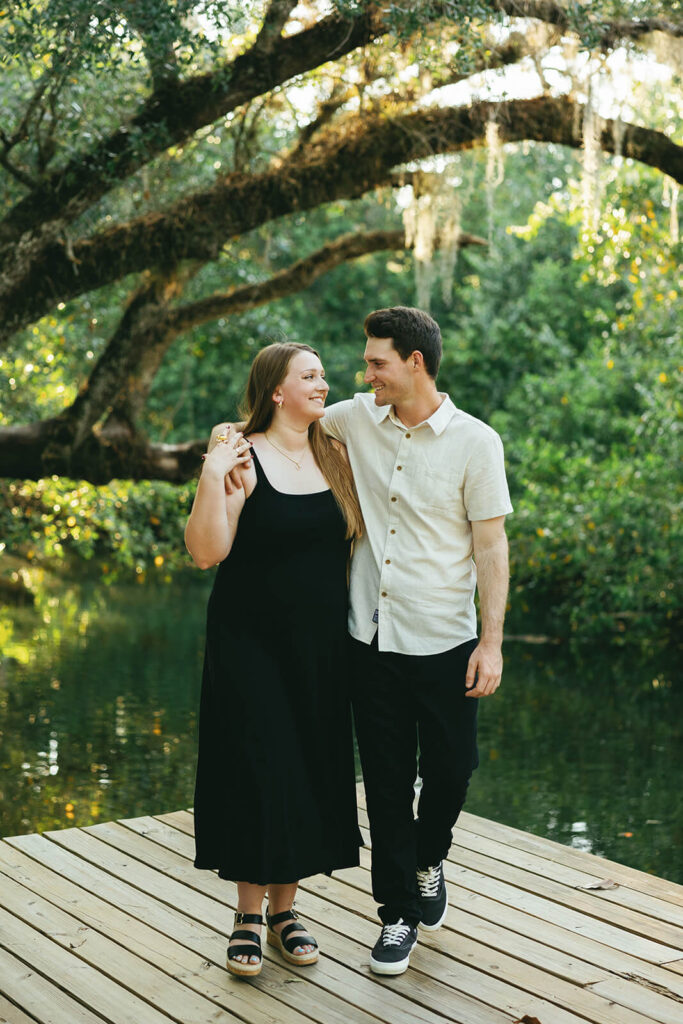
x=392 y=531
x=384 y=593
x=387 y=561
x=407 y=435
x=394 y=499
x=399 y=467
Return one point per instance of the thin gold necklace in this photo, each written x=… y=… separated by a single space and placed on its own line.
x=282 y=452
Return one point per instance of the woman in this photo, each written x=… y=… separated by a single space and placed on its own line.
x=275 y=794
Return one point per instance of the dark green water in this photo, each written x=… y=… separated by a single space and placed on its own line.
x=99 y=689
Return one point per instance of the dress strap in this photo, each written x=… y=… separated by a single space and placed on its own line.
x=260 y=472
x=261 y=475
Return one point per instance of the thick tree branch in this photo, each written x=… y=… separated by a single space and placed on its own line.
x=25 y=454
x=176 y=110
x=326 y=111
x=157 y=37
x=118 y=362
x=294 y=279
x=125 y=371
x=139 y=353
x=275 y=19
x=174 y=113
x=359 y=160
x=17 y=172
x=120 y=382
x=608 y=33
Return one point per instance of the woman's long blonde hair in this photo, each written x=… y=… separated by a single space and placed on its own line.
x=267 y=372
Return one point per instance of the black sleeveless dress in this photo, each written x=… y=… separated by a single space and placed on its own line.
x=275 y=797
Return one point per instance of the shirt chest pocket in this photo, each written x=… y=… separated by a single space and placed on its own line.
x=436 y=489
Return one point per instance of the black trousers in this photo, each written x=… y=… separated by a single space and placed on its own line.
x=401 y=700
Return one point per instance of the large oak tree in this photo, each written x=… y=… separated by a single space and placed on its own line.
x=100 y=97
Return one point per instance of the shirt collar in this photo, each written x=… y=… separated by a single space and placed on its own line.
x=438 y=421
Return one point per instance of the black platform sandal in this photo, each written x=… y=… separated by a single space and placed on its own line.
x=236 y=966
x=291 y=936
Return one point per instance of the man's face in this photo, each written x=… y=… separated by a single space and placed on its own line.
x=391 y=379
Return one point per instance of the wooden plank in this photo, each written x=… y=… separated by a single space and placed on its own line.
x=10 y=1013
x=188 y=1008
x=635 y=992
x=408 y=999
x=652 y=1004
x=95 y=878
x=320 y=912
x=628 y=930
x=527 y=977
x=514 y=941
x=202 y=970
x=39 y=997
x=86 y=984
x=640 y=880
x=508 y=968
x=500 y=995
x=555 y=962
x=433 y=996
x=561 y=952
x=211 y=911
x=183 y=845
x=487 y=849
x=618 y=911
x=181 y=820
x=170 y=955
x=166 y=999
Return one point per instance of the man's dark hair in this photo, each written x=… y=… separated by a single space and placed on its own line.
x=410 y=330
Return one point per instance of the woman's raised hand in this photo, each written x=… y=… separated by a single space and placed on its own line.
x=228 y=448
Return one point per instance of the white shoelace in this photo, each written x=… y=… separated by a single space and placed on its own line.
x=428 y=881
x=394 y=934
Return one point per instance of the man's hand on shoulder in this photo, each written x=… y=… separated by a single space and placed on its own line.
x=485 y=667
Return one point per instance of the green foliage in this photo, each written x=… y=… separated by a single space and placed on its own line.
x=596 y=536
x=132 y=529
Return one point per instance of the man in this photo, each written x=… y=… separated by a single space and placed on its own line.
x=434 y=497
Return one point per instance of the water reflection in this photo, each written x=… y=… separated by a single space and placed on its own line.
x=99 y=691
x=98 y=711
x=587 y=752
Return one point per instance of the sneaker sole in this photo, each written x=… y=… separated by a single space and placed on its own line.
x=433 y=927
x=379 y=968
x=399 y=967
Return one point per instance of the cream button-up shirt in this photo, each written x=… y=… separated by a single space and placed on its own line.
x=412 y=574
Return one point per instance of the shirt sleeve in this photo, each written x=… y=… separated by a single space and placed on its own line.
x=336 y=420
x=486 y=492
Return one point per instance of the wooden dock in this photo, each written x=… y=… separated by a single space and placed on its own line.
x=113 y=923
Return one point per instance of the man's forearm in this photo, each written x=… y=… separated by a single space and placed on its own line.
x=492 y=585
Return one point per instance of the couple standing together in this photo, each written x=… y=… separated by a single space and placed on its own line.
x=418 y=488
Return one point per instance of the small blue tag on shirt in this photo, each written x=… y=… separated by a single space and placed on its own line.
x=375 y=617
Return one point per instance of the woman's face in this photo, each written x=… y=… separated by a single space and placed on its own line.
x=304 y=389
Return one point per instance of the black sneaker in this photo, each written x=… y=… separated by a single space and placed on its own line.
x=433 y=898
x=391 y=952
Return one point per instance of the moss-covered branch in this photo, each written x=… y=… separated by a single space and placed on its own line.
x=358 y=160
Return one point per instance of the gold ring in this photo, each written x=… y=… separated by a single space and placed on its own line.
x=221 y=437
